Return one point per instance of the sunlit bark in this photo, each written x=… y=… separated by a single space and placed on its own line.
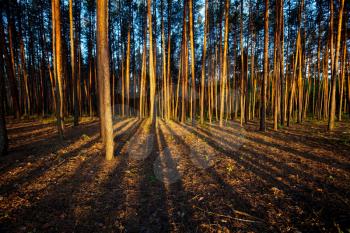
x=56 y=20
x=263 y=86
x=104 y=75
x=335 y=71
x=224 y=70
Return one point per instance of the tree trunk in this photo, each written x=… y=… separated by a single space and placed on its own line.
x=127 y=75
x=203 y=62
x=104 y=74
x=151 y=63
x=73 y=61
x=10 y=67
x=335 y=65
x=224 y=61
x=282 y=103
x=342 y=81
x=184 y=67
x=56 y=20
x=193 y=61
x=3 y=131
x=263 y=86
x=242 y=66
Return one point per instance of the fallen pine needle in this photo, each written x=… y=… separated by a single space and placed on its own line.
x=243 y=213
x=226 y=216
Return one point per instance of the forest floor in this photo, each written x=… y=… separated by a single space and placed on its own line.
x=173 y=177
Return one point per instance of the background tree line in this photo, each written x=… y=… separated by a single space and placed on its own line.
x=209 y=60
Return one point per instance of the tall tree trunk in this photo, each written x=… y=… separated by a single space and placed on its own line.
x=193 y=61
x=104 y=75
x=342 y=81
x=73 y=61
x=127 y=75
x=151 y=63
x=224 y=61
x=203 y=62
x=242 y=67
x=3 y=131
x=10 y=67
x=300 y=80
x=263 y=86
x=277 y=48
x=282 y=100
x=335 y=65
x=184 y=58
x=56 y=20
x=164 y=69
x=168 y=76
x=25 y=76
x=143 y=78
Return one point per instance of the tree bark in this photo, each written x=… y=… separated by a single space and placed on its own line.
x=203 y=63
x=224 y=69
x=56 y=20
x=263 y=86
x=335 y=65
x=104 y=75
x=3 y=131
x=193 y=61
x=151 y=63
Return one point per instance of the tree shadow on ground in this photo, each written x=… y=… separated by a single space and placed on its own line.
x=304 y=154
x=312 y=203
x=273 y=158
x=20 y=154
x=56 y=207
x=237 y=203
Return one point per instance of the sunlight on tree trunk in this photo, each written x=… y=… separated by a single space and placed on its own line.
x=263 y=86
x=104 y=75
x=224 y=69
x=335 y=72
x=56 y=20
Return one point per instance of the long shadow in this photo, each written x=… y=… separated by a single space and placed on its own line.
x=312 y=141
x=107 y=208
x=124 y=137
x=178 y=198
x=49 y=148
x=30 y=153
x=229 y=194
x=51 y=209
x=13 y=185
x=68 y=203
x=302 y=135
x=283 y=167
x=38 y=171
x=31 y=136
x=109 y=211
x=301 y=195
x=152 y=211
x=125 y=122
x=23 y=143
x=254 y=160
x=29 y=127
x=40 y=148
x=307 y=155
